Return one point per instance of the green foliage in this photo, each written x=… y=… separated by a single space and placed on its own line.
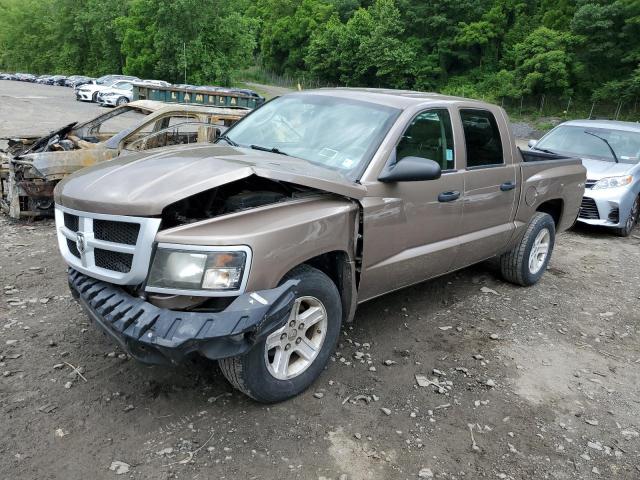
x=367 y=50
x=499 y=50
x=543 y=62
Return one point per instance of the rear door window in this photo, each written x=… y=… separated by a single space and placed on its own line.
x=482 y=138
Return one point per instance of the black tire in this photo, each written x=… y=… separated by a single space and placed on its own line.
x=632 y=220
x=122 y=101
x=515 y=263
x=94 y=97
x=249 y=373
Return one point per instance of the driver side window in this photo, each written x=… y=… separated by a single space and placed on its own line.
x=429 y=135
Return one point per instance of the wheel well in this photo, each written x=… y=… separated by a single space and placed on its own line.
x=552 y=207
x=337 y=266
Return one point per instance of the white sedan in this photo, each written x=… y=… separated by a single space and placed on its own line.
x=118 y=94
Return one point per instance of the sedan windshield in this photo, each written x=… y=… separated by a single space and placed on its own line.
x=336 y=133
x=584 y=142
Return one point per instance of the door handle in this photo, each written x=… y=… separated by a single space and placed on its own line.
x=506 y=186
x=448 y=196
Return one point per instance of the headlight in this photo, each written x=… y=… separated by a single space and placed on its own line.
x=198 y=270
x=613 y=182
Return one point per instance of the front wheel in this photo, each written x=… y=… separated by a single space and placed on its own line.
x=122 y=101
x=292 y=357
x=94 y=97
x=527 y=261
x=632 y=220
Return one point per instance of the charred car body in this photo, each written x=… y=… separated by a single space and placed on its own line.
x=30 y=167
x=255 y=250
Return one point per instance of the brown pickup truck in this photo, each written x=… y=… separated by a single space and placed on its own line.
x=255 y=250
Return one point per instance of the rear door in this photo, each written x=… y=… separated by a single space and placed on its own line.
x=490 y=189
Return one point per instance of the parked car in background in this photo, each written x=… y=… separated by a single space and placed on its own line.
x=611 y=152
x=89 y=91
x=58 y=80
x=75 y=80
x=42 y=79
x=81 y=80
x=117 y=94
x=254 y=251
x=7 y=76
x=246 y=91
x=31 y=166
x=25 y=77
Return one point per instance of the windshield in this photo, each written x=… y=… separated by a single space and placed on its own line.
x=572 y=140
x=336 y=133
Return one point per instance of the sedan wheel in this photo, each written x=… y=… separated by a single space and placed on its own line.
x=632 y=219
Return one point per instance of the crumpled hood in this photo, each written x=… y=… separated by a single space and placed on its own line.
x=597 y=169
x=144 y=184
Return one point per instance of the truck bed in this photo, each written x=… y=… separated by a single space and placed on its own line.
x=537 y=156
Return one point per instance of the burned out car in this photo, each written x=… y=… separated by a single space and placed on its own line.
x=255 y=250
x=30 y=167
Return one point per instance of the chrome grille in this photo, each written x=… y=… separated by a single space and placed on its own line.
x=589 y=209
x=113 y=248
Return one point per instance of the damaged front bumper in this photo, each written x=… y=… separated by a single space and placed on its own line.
x=160 y=336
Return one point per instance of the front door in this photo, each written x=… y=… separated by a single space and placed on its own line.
x=410 y=227
x=490 y=188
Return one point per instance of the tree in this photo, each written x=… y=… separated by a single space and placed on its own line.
x=367 y=50
x=543 y=61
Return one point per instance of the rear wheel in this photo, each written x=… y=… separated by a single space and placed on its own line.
x=526 y=262
x=632 y=220
x=292 y=357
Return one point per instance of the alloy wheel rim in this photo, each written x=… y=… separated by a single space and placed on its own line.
x=539 y=251
x=291 y=349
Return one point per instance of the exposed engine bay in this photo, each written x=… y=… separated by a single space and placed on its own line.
x=250 y=192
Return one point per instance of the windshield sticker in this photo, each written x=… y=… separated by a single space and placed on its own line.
x=449 y=154
x=348 y=163
x=328 y=153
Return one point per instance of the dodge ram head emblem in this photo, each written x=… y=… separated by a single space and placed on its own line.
x=81 y=242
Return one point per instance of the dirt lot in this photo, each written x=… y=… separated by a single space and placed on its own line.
x=536 y=383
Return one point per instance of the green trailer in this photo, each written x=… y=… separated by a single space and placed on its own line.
x=212 y=97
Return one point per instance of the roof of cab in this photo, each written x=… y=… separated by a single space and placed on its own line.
x=393 y=98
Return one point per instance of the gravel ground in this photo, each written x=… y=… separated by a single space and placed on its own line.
x=537 y=382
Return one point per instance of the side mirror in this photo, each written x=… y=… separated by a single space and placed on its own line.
x=411 y=169
x=532 y=143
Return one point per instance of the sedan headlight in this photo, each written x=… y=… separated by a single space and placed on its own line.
x=198 y=270
x=613 y=182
